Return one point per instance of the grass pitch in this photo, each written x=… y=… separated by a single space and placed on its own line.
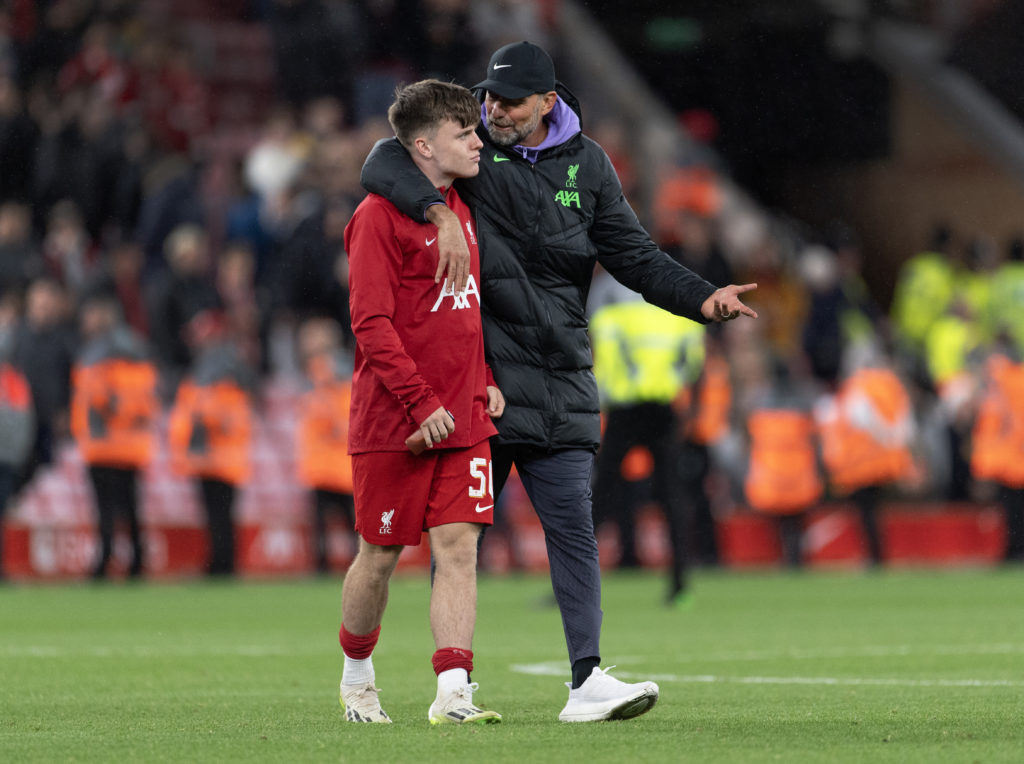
x=900 y=666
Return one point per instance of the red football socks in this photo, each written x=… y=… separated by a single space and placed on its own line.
x=358 y=646
x=447 y=658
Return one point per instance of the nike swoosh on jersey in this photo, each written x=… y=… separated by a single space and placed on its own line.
x=483 y=509
x=431 y=241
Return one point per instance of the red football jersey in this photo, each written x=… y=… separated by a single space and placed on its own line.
x=419 y=346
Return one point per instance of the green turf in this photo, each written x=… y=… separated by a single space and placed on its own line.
x=833 y=667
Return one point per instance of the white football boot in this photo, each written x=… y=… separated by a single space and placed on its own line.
x=604 y=698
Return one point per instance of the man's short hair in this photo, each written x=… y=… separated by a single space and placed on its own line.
x=421 y=107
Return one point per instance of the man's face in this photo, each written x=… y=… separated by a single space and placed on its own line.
x=515 y=122
x=456 y=150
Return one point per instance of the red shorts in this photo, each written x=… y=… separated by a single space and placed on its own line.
x=398 y=495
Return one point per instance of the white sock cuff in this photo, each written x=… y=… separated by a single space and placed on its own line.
x=452 y=679
x=357 y=671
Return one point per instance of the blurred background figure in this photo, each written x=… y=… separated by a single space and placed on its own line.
x=17 y=416
x=20 y=262
x=867 y=433
x=113 y=412
x=176 y=297
x=997 y=454
x=44 y=350
x=324 y=464
x=646 y=361
x=210 y=430
x=783 y=480
x=706 y=423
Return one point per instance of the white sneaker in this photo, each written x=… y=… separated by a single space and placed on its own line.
x=362 y=704
x=457 y=708
x=603 y=697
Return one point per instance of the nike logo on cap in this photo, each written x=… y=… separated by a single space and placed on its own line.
x=501 y=66
x=483 y=509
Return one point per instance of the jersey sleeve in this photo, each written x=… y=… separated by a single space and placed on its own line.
x=375 y=268
x=628 y=253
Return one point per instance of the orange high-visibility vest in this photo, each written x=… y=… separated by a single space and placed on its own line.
x=323 y=459
x=113 y=407
x=783 y=475
x=714 y=397
x=997 y=439
x=15 y=392
x=866 y=439
x=210 y=430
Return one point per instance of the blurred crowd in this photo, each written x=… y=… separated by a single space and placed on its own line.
x=828 y=395
x=160 y=254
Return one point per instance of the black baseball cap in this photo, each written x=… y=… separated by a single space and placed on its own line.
x=518 y=70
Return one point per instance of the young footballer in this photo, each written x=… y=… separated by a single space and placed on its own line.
x=419 y=374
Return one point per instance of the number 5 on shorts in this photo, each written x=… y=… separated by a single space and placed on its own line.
x=480 y=469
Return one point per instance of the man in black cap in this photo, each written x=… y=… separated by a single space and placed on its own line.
x=549 y=206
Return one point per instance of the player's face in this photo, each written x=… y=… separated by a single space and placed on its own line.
x=515 y=122
x=456 y=150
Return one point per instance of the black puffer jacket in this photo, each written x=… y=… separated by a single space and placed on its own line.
x=542 y=228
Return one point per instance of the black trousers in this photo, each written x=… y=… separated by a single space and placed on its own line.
x=8 y=485
x=694 y=467
x=1012 y=500
x=558 y=484
x=115 y=490
x=218 y=502
x=652 y=425
x=867 y=500
x=325 y=503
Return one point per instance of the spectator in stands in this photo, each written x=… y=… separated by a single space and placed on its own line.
x=44 y=350
x=210 y=431
x=317 y=48
x=79 y=158
x=68 y=251
x=113 y=420
x=451 y=50
x=119 y=275
x=178 y=297
x=244 y=303
x=17 y=418
x=20 y=261
x=322 y=458
x=58 y=35
x=19 y=136
x=179 y=112
x=311 y=277
x=170 y=199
